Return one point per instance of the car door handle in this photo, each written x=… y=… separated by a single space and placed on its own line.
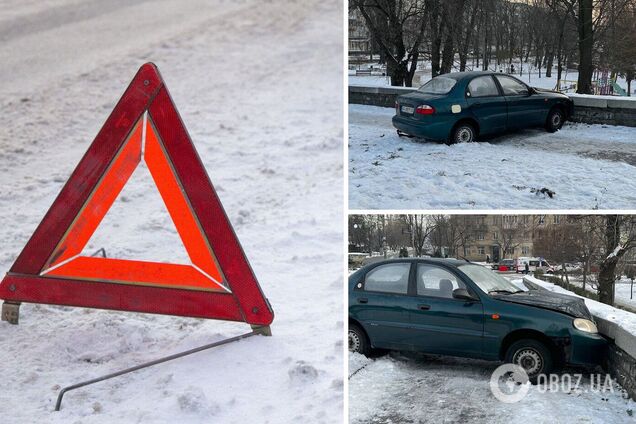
x=363 y=300
x=476 y=104
x=423 y=307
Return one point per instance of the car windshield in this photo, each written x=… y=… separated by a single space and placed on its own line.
x=438 y=85
x=487 y=280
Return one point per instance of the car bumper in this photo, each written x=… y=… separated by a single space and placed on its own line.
x=587 y=349
x=430 y=130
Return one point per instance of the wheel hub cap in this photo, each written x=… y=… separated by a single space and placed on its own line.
x=354 y=342
x=529 y=360
x=464 y=135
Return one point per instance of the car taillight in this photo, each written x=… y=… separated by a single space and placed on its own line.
x=425 y=110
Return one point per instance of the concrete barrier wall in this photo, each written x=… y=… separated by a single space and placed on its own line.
x=621 y=358
x=608 y=110
x=376 y=96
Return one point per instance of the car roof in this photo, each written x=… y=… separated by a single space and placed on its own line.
x=468 y=74
x=447 y=261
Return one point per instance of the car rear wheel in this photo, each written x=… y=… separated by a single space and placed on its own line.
x=531 y=355
x=358 y=340
x=463 y=133
x=555 y=120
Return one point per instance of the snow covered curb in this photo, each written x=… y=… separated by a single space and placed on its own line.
x=617 y=325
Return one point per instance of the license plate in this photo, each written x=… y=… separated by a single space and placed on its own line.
x=407 y=109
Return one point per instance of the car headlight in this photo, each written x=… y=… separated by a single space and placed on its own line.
x=585 y=325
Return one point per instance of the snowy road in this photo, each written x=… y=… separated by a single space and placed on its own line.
x=587 y=166
x=40 y=45
x=234 y=70
x=418 y=388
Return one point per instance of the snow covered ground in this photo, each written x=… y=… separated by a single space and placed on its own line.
x=234 y=70
x=428 y=388
x=587 y=166
x=419 y=388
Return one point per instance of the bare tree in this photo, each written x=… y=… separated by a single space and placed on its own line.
x=420 y=227
x=620 y=237
x=397 y=28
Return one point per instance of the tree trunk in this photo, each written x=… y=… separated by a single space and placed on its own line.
x=398 y=72
x=606 y=278
x=548 y=64
x=448 y=54
x=585 y=267
x=607 y=268
x=586 y=44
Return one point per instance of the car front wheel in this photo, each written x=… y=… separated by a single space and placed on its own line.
x=358 y=340
x=555 y=120
x=463 y=133
x=531 y=355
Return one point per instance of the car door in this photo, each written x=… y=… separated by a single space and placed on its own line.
x=487 y=104
x=381 y=304
x=441 y=323
x=524 y=108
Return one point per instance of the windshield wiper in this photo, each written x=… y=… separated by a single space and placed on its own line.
x=504 y=291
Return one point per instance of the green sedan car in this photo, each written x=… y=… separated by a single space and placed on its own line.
x=460 y=107
x=454 y=307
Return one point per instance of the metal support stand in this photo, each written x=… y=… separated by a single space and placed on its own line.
x=11 y=312
x=58 y=404
x=263 y=330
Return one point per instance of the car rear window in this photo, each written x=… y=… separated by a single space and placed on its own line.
x=438 y=85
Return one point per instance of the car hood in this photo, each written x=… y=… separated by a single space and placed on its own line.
x=570 y=305
x=549 y=93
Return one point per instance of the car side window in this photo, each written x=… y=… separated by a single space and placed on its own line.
x=437 y=282
x=482 y=87
x=512 y=87
x=390 y=278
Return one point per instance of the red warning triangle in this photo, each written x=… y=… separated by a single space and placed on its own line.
x=217 y=283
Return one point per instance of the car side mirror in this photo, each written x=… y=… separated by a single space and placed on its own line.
x=462 y=294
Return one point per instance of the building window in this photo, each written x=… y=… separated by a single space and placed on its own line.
x=541 y=219
x=557 y=219
x=480 y=236
x=495 y=235
x=481 y=250
x=525 y=250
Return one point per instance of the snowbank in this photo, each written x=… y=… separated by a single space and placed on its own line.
x=623 y=319
x=588 y=166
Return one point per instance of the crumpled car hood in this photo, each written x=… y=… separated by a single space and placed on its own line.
x=570 y=305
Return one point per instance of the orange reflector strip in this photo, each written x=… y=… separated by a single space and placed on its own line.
x=100 y=200
x=177 y=205
x=203 y=274
x=135 y=272
x=495 y=316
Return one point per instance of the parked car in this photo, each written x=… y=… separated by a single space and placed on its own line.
x=504 y=265
x=462 y=106
x=569 y=267
x=454 y=307
x=533 y=265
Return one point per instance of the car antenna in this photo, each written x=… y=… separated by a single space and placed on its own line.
x=464 y=259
